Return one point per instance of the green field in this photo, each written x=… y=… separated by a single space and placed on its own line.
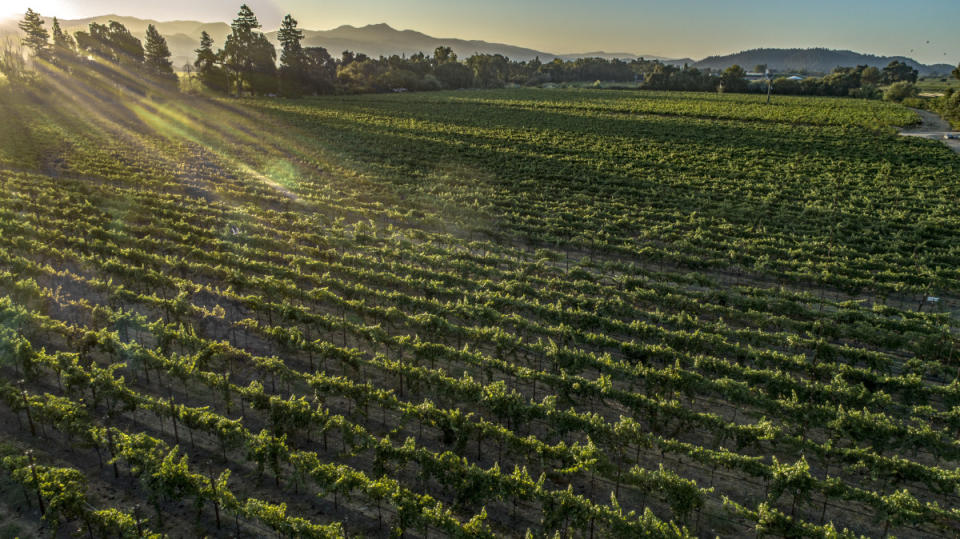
x=569 y=312
x=938 y=84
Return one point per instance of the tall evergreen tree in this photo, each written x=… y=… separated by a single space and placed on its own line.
x=207 y=63
x=62 y=41
x=293 y=60
x=238 y=50
x=36 y=36
x=206 y=58
x=156 y=54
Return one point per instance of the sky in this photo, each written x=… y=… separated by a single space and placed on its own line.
x=925 y=30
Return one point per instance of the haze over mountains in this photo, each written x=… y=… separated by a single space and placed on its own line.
x=813 y=60
x=374 y=40
x=183 y=37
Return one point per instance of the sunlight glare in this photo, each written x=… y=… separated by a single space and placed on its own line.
x=47 y=8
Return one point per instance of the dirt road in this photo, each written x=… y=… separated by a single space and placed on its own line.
x=932 y=127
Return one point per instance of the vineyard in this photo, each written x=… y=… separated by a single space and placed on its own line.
x=476 y=313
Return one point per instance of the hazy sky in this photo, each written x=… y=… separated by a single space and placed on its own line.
x=923 y=29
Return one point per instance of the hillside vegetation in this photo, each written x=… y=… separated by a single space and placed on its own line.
x=818 y=60
x=601 y=314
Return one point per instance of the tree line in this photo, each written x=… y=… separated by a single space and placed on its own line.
x=247 y=64
x=112 y=42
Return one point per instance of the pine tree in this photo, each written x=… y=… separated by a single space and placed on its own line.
x=62 y=41
x=236 y=51
x=206 y=58
x=156 y=57
x=245 y=23
x=37 y=37
x=293 y=64
x=248 y=55
x=128 y=48
x=209 y=72
x=290 y=37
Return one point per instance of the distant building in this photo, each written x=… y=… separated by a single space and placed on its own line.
x=754 y=75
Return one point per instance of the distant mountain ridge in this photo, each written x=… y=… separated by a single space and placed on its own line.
x=375 y=40
x=816 y=60
x=382 y=40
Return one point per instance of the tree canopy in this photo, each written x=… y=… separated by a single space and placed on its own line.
x=157 y=54
x=36 y=36
x=209 y=70
x=112 y=42
x=734 y=79
x=293 y=60
x=62 y=41
x=898 y=71
x=247 y=63
x=248 y=55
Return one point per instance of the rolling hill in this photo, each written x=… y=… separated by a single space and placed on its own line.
x=381 y=39
x=813 y=60
x=374 y=40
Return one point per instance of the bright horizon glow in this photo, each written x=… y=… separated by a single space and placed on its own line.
x=923 y=29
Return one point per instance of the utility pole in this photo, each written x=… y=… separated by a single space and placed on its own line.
x=769 y=85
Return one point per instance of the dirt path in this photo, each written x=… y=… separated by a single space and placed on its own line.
x=932 y=127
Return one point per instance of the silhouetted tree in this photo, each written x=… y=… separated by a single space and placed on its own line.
x=293 y=61
x=321 y=70
x=209 y=71
x=35 y=36
x=156 y=58
x=63 y=43
x=237 y=50
x=248 y=56
x=112 y=42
